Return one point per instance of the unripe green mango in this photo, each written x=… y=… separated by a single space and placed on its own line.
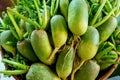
x=59 y=30
x=29 y=28
x=8 y=41
x=39 y=71
x=88 y=46
x=59 y=33
x=78 y=17
x=89 y=71
x=26 y=50
x=41 y=45
x=107 y=28
x=64 y=4
x=64 y=63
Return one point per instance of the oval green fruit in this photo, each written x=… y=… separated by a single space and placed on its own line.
x=64 y=63
x=64 y=4
x=59 y=30
x=107 y=28
x=26 y=50
x=89 y=71
x=78 y=17
x=41 y=45
x=88 y=46
x=39 y=71
x=8 y=41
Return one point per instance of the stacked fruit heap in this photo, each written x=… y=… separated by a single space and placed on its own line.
x=60 y=39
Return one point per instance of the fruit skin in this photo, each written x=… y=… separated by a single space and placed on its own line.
x=59 y=30
x=88 y=46
x=107 y=28
x=64 y=4
x=41 y=45
x=29 y=28
x=64 y=63
x=26 y=50
x=89 y=71
x=39 y=71
x=78 y=17
x=5 y=38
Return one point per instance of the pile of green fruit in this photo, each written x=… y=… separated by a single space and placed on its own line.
x=60 y=39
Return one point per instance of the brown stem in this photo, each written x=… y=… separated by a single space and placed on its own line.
x=76 y=69
x=53 y=54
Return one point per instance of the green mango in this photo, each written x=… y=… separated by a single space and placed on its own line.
x=89 y=71
x=64 y=63
x=29 y=28
x=88 y=46
x=41 y=46
x=59 y=33
x=59 y=30
x=8 y=41
x=107 y=28
x=64 y=4
x=40 y=71
x=78 y=17
x=26 y=50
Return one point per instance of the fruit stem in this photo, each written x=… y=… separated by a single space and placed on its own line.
x=13 y=72
x=16 y=64
x=76 y=69
x=105 y=18
x=98 y=12
x=38 y=11
x=53 y=54
x=34 y=23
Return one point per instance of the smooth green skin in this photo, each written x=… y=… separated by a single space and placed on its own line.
x=59 y=30
x=89 y=71
x=107 y=28
x=64 y=63
x=88 y=46
x=78 y=17
x=41 y=45
x=29 y=28
x=5 y=37
x=106 y=65
x=40 y=71
x=64 y=4
x=26 y=50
